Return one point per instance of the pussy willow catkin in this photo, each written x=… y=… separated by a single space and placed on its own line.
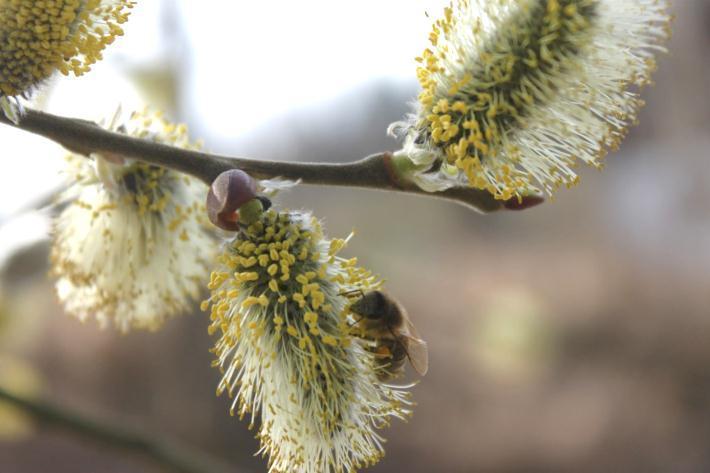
x=516 y=91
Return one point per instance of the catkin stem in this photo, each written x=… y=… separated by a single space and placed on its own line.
x=86 y=137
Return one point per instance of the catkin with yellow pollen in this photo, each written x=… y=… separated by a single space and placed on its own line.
x=514 y=92
x=286 y=351
x=41 y=37
x=132 y=247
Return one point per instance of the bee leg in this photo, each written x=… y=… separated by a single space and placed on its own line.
x=383 y=351
x=351 y=325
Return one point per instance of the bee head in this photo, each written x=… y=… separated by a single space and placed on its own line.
x=371 y=305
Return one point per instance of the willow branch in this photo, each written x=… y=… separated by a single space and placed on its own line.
x=87 y=137
x=172 y=457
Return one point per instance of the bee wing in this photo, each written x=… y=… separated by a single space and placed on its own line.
x=418 y=355
x=417 y=350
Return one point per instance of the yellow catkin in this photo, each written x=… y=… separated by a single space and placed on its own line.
x=285 y=327
x=38 y=38
x=514 y=92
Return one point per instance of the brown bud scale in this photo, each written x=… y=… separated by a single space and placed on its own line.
x=229 y=191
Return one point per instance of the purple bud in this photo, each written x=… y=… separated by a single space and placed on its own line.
x=229 y=191
x=526 y=202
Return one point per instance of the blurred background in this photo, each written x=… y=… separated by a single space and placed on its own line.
x=573 y=336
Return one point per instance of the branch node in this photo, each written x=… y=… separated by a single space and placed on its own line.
x=392 y=174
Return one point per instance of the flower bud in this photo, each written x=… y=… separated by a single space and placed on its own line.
x=523 y=202
x=229 y=191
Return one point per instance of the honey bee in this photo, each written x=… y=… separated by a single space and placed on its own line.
x=384 y=322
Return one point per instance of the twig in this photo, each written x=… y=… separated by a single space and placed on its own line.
x=87 y=137
x=172 y=457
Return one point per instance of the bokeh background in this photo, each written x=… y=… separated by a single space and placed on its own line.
x=574 y=336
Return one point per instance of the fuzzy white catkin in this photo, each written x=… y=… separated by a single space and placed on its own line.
x=286 y=351
x=132 y=245
x=516 y=91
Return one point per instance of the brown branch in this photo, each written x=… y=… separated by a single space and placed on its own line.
x=86 y=137
x=173 y=457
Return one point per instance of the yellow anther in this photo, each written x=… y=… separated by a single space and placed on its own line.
x=247 y=262
x=310 y=317
x=246 y=276
x=250 y=301
x=263 y=260
x=302 y=279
